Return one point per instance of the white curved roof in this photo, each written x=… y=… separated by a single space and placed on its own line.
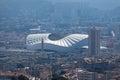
x=67 y=41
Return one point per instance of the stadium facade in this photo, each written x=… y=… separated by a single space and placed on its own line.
x=57 y=43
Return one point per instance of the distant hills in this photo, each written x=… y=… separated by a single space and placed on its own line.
x=63 y=7
x=101 y=4
x=72 y=11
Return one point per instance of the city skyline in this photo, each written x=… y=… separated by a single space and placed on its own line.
x=60 y=40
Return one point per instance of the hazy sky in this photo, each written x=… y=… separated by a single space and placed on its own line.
x=101 y=4
x=105 y=4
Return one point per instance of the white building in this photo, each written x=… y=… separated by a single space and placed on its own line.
x=51 y=42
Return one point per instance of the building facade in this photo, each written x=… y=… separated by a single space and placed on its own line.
x=47 y=41
x=85 y=75
x=94 y=41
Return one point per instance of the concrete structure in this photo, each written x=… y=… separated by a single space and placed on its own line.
x=117 y=31
x=5 y=77
x=85 y=75
x=94 y=41
x=51 y=42
x=108 y=75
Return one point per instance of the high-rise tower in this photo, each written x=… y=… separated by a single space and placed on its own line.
x=94 y=41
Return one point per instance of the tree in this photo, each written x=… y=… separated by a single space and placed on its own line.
x=22 y=77
x=14 y=78
x=59 y=78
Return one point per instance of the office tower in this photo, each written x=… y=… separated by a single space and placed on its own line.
x=94 y=41
x=117 y=31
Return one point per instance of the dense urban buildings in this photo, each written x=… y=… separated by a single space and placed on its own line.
x=56 y=39
x=45 y=55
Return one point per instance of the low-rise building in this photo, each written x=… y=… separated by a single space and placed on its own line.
x=86 y=75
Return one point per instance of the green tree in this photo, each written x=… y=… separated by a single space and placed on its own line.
x=21 y=77
x=59 y=78
x=14 y=78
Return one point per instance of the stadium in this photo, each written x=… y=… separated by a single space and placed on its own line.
x=55 y=42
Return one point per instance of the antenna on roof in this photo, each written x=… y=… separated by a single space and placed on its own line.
x=42 y=45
